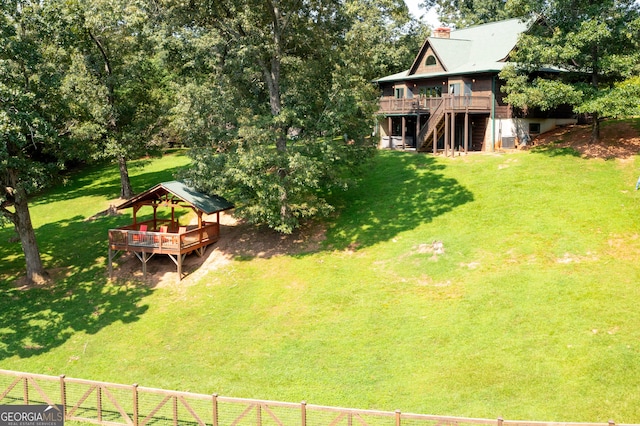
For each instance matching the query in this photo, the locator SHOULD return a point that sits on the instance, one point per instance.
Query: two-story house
(450, 99)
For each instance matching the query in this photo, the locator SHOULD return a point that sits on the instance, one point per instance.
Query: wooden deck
(146, 244)
(390, 105)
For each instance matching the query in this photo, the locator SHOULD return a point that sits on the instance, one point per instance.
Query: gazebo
(167, 236)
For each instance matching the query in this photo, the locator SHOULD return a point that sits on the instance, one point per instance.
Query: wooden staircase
(434, 124)
(434, 128)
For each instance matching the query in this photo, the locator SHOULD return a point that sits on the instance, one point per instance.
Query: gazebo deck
(166, 236)
(129, 238)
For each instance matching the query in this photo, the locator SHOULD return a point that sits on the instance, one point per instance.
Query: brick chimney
(442, 32)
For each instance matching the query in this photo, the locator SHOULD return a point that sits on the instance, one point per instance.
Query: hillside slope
(618, 139)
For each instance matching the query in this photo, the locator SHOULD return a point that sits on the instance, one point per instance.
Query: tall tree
(595, 44)
(465, 13)
(116, 79)
(287, 110)
(31, 148)
(382, 39)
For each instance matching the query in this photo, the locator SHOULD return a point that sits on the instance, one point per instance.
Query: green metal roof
(477, 49)
(206, 203)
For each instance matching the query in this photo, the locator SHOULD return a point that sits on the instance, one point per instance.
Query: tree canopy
(584, 54)
(290, 101)
(115, 80)
(32, 117)
(273, 97)
(465, 13)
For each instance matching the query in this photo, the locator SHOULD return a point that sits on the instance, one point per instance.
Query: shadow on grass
(402, 191)
(37, 320)
(34, 320)
(398, 193)
(104, 180)
(553, 150)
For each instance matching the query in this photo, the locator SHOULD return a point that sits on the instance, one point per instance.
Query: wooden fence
(101, 403)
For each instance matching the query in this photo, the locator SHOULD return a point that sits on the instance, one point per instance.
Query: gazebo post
(144, 264)
(110, 263)
(155, 217)
(135, 215)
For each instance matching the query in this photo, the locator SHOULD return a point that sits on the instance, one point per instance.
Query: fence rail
(116, 404)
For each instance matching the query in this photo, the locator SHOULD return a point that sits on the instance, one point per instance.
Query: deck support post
(466, 132)
(404, 128)
(446, 134)
(453, 134)
(435, 140)
(144, 258)
(178, 260)
(110, 263)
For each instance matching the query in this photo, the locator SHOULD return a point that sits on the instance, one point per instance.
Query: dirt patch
(617, 140)
(237, 240)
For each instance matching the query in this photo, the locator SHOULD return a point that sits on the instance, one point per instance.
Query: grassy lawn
(531, 312)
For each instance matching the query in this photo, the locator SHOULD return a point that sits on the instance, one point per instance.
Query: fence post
(134, 389)
(25, 388)
(175, 411)
(500, 421)
(303, 413)
(214, 400)
(99, 401)
(259, 414)
(398, 420)
(63, 395)
(612, 423)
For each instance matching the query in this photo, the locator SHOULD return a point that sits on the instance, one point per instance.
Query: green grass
(530, 313)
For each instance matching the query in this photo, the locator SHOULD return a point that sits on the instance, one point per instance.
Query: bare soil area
(237, 239)
(617, 140)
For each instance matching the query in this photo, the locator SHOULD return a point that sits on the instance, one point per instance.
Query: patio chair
(137, 237)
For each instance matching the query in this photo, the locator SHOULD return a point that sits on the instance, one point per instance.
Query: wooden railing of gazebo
(177, 243)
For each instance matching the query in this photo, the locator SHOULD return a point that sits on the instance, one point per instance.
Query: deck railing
(390, 105)
(126, 238)
(101, 403)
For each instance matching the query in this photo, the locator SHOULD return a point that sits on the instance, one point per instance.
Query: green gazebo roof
(208, 204)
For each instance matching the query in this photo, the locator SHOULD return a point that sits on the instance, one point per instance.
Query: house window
(431, 60)
(399, 92)
(534, 128)
(431, 92)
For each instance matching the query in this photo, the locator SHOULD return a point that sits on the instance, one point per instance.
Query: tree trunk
(271, 71)
(126, 191)
(272, 78)
(22, 221)
(595, 129)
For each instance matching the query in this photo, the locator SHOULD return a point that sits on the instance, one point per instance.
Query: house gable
(427, 61)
